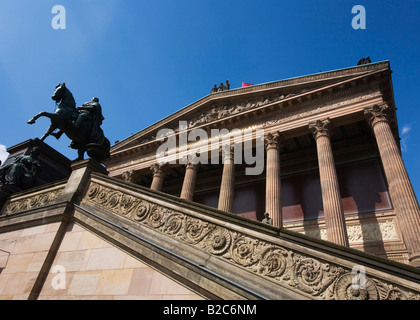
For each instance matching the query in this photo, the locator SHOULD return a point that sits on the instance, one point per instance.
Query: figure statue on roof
(364, 61)
(221, 87)
(214, 89)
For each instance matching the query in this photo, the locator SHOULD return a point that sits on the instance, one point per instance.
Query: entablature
(342, 101)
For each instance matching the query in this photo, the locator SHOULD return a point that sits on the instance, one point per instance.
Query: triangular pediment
(221, 105)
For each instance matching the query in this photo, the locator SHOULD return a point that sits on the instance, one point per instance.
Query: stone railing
(32, 199)
(312, 268)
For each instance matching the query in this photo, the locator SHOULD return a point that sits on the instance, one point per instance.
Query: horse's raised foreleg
(41, 114)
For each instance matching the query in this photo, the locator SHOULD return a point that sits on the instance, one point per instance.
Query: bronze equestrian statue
(81, 125)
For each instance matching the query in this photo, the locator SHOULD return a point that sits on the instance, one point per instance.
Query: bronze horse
(81, 125)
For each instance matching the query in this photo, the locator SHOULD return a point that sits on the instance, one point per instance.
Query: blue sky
(148, 59)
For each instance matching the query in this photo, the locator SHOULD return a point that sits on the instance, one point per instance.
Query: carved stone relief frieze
(222, 111)
(378, 231)
(306, 274)
(382, 230)
(32, 201)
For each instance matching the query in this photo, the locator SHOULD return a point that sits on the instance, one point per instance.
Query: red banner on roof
(244, 84)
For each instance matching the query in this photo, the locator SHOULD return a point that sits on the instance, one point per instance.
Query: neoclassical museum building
(293, 189)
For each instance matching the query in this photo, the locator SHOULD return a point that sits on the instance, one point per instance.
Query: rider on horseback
(81, 125)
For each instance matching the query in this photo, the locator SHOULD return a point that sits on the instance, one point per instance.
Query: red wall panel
(362, 188)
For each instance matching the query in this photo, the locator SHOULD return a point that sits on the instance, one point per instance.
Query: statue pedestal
(97, 152)
(79, 179)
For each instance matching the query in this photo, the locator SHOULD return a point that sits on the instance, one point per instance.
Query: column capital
(321, 128)
(190, 161)
(192, 164)
(227, 151)
(158, 169)
(188, 186)
(130, 176)
(376, 114)
(273, 140)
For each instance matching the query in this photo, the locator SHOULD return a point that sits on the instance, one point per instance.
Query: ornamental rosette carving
(300, 272)
(218, 241)
(141, 211)
(346, 288)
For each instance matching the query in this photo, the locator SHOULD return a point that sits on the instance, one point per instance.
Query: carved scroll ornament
(32, 201)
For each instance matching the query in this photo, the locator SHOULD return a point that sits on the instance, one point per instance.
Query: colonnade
(405, 203)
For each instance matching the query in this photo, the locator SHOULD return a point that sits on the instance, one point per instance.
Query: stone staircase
(214, 253)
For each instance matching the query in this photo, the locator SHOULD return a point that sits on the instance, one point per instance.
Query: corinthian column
(190, 177)
(331, 199)
(273, 184)
(227, 186)
(405, 202)
(158, 176)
